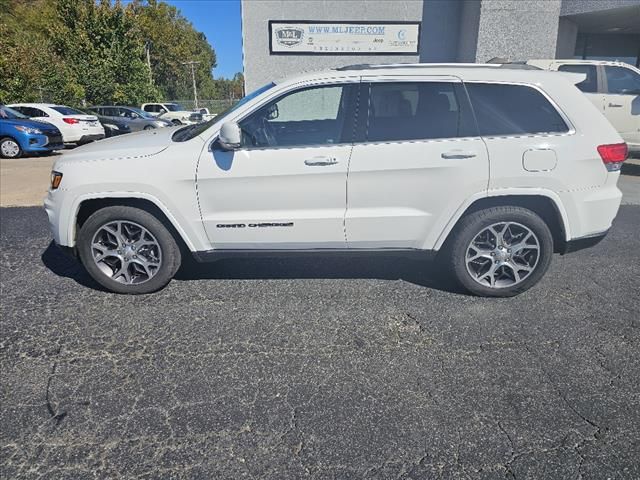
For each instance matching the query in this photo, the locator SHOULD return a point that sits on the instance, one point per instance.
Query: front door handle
(320, 161)
(614, 105)
(457, 154)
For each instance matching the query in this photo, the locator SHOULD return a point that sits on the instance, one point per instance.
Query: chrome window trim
(291, 89)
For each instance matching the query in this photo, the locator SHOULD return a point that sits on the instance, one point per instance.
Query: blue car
(19, 135)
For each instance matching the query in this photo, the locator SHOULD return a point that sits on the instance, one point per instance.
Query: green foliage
(94, 51)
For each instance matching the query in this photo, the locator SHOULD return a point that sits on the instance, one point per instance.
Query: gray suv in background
(135, 118)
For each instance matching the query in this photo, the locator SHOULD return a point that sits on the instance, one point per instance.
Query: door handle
(614, 105)
(320, 161)
(457, 154)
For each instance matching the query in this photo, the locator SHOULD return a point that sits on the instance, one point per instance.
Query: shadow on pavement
(425, 273)
(66, 266)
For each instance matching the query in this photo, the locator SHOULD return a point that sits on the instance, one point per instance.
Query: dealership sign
(344, 38)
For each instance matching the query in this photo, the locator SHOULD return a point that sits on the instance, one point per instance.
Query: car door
(285, 187)
(415, 162)
(622, 101)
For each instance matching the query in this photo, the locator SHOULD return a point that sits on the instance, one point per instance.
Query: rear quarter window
(503, 109)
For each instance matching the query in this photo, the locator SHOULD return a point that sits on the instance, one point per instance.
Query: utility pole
(193, 64)
(147, 49)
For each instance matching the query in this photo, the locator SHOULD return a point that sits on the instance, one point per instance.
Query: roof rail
(369, 66)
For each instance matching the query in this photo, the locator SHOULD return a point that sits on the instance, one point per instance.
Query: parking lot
(282, 369)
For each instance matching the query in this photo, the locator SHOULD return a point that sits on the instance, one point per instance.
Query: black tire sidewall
(472, 224)
(9, 139)
(170, 251)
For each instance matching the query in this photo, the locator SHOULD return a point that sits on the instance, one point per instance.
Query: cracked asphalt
(329, 369)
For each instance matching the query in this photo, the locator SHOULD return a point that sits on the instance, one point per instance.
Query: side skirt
(214, 255)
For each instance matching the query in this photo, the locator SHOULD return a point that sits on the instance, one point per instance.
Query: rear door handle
(614, 105)
(320, 161)
(457, 154)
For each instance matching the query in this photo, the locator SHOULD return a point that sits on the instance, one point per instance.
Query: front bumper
(41, 142)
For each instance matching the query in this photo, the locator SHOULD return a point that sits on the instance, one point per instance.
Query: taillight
(613, 155)
(70, 121)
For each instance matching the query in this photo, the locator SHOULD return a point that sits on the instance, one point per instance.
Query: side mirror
(230, 137)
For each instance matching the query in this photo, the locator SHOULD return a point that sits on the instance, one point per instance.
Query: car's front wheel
(9, 148)
(501, 251)
(128, 250)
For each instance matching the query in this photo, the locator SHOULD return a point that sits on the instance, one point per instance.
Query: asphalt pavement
(333, 369)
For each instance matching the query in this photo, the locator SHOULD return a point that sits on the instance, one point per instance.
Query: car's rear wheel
(9, 148)
(176, 122)
(128, 250)
(149, 127)
(501, 251)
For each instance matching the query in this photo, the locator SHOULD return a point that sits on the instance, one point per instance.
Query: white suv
(495, 168)
(613, 87)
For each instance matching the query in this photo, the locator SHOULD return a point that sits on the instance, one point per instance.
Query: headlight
(56, 178)
(29, 130)
(111, 126)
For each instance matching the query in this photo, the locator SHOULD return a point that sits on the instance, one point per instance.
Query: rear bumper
(90, 138)
(581, 243)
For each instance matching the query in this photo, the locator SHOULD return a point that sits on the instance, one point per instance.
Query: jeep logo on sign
(289, 36)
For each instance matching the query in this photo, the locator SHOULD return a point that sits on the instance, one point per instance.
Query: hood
(132, 145)
(25, 122)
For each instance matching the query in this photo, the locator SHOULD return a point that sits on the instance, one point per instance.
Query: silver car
(136, 119)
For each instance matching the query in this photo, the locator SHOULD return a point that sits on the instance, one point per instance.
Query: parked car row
(44, 127)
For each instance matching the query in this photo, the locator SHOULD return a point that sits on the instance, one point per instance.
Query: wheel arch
(548, 208)
(87, 206)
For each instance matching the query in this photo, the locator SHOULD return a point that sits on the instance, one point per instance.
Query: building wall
(567, 35)
(261, 68)
(574, 7)
(517, 29)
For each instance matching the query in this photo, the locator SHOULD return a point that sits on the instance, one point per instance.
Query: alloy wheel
(126, 252)
(502, 255)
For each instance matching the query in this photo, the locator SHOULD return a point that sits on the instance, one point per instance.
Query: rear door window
(589, 84)
(405, 111)
(504, 109)
(621, 80)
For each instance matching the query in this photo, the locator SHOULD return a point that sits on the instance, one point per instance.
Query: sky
(220, 21)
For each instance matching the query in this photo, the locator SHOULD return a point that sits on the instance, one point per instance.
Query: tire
(10, 148)
(176, 122)
(484, 268)
(149, 127)
(145, 263)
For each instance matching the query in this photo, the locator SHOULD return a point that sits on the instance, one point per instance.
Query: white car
(494, 168)
(76, 126)
(172, 112)
(613, 87)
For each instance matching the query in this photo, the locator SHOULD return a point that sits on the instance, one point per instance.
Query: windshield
(140, 112)
(67, 110)
(187, 133)
(173, 107)
(6, 112)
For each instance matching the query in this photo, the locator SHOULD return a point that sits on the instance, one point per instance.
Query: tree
(173, 40)
(93, 51)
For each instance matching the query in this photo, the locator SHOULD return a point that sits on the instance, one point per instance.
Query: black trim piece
(346, 22)
(219, 254)
(68, 251)
(581, 243)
